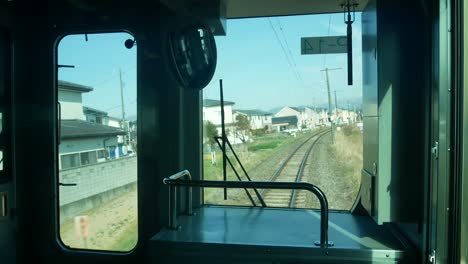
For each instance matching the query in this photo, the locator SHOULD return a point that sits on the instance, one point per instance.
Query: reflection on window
(279, 113)
(97, 151)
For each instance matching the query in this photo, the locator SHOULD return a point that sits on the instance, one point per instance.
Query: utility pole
(336, 106)
(123, 106)
(122, 98)
(326, 70)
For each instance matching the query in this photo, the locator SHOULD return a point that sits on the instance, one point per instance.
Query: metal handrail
(174, 182)
(173, 196)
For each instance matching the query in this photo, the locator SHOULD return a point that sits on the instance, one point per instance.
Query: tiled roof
(87, 109)
(254, 112)
(83, 129)
(211, 103)
(74, 86)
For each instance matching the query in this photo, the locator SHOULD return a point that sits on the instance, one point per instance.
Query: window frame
(58, 38)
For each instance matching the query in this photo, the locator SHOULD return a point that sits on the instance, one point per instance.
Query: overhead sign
(324, 45)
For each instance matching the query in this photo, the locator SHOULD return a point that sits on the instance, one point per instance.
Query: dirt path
(112, 226)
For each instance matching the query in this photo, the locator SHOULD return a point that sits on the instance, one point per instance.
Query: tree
(210, 133)
(242, 125)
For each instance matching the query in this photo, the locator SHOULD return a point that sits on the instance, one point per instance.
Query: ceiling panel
(259, 8)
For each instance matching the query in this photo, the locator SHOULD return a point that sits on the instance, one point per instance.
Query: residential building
(85, 138)
(285, 123)
(258, 118)
(212, 113)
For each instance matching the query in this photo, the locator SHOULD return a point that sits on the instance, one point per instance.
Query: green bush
(269, 145)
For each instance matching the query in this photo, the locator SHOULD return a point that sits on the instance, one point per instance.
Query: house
(287, 118)
(94, 115)
(212, 112)
(85, 137)
(86, 143)
(283, 123)
(258, 118)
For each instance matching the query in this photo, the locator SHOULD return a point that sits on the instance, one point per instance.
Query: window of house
(97, 199)
(101, 154)
(272, 75)
(70, 161)
(88, 158)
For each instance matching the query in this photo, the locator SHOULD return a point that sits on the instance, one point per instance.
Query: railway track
(292, 170)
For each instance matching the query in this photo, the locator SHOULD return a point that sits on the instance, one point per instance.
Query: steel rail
(175, 182)
(275, 174)
(282, 165)
(300, 171)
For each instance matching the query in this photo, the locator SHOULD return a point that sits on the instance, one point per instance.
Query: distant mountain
(275, 110)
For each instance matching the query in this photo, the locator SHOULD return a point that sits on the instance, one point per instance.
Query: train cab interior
(124, 134)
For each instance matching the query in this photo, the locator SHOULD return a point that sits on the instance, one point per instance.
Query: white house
(85, 140)
(212, 113)
(258, 118)
(288, 118)
(70, 99)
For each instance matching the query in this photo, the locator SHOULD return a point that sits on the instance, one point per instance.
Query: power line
(282, 48)
(113, 76)
(289, 49)
(118, 106)
(328, 34)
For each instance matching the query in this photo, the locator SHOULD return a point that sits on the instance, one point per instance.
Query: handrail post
(173, 207)
(173, 197)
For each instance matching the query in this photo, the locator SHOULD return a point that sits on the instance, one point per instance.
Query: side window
(97, 96)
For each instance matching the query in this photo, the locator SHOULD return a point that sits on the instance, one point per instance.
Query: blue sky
(254, 69)
(97, 63)
(257, 75)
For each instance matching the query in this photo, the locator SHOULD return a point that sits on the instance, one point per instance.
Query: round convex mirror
(194, 53)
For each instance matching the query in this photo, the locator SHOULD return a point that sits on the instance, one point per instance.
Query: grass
(112, 225)
(348, 150)
(269, 145)
(128, 239)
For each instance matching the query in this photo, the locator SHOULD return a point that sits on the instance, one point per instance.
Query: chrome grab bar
(174, 181)
(173, 197)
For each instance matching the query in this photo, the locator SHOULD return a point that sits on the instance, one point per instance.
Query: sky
(257, 75)
(256, 72)
(97, 64)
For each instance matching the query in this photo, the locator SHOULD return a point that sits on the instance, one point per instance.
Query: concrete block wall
(95, 179)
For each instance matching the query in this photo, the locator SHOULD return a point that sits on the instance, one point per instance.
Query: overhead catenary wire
(290, 53)
(113, 76)
(328, 34)
(284, 50)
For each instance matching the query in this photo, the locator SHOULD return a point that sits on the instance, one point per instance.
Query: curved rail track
(292, 170)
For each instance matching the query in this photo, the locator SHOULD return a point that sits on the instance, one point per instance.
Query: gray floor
(279, 231)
